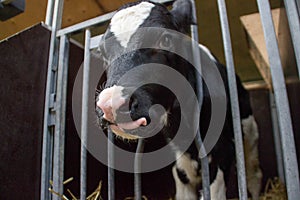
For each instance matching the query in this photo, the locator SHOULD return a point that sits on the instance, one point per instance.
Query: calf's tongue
(134, 124)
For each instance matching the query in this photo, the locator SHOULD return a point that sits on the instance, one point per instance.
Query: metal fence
(56, 90)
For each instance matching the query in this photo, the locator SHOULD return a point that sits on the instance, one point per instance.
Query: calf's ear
(183, 14)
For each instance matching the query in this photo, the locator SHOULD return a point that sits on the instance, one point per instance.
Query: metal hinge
(51, 121)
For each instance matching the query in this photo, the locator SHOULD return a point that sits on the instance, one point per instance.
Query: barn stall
(61, 153)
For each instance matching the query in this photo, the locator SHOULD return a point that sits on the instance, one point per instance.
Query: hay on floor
(274, 190)
(94, 196)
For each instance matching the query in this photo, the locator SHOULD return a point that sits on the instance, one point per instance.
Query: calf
(129, 110)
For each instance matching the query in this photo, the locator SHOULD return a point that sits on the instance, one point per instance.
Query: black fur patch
(182, 176)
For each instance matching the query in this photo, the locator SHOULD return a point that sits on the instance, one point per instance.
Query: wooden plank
(257, 47)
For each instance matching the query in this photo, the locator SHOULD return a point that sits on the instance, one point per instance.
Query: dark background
(23, 69)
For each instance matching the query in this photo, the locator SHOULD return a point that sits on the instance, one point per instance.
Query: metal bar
(294, 23)
(234, 101)
(138, 170)
(298, 6)
(94, 21)
(46, 162)
(196, 55)
(57, 16)
(276, 136)
(84, 114)
(204, 168)
(283, 110)
(204, 160)
(46, 173)
(60, 108)
(162, 1)
(95, 41)
(49, 13)
(110, 167)
(48, 131)
(86, 24)
(6, 1)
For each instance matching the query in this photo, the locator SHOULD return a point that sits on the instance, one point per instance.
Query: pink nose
(109, 101)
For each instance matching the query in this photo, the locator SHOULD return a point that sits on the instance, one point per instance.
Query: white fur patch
(125, 22)
(184, 191)
(250, 128)
(218, 188)
(164, 118)
(253, 171)
(189, 166)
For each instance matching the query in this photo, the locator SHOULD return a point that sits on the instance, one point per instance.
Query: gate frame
(56, 90)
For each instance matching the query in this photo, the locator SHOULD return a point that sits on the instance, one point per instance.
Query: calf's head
(131, 102)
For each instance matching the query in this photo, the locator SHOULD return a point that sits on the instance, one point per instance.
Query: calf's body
(131, 112)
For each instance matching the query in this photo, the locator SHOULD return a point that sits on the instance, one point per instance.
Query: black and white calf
(127, 114)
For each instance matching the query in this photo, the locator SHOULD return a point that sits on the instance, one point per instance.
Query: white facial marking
(218, 188)
(125, 22)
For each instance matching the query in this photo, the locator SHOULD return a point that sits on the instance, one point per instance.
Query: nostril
(133, 104)
(128, 107)
(128, 111)
(148, 120)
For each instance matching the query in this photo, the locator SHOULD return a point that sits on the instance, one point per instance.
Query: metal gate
(55, 101)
